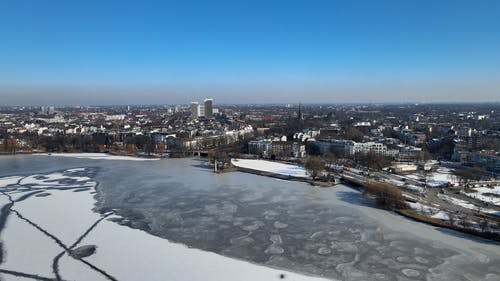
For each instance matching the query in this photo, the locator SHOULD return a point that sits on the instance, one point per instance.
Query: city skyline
(126, 52)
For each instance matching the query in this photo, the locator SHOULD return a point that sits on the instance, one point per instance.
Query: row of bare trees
(465, 176)
(10, 145)
(83, 143)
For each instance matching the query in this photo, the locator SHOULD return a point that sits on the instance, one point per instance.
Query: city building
(208, 108)
(259, 147)
(195, 110)
(47, 110)
(350, 148)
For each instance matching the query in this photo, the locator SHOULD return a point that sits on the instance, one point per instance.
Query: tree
(161, 148)
(101, 148)
(115, 147)
(312, 148)
(354, 134)
(221, 159)
(131, 149)
(314, 166)
(373, 160)
(11, 145)
(330, 158)
(149, 145)
(386, 195)
(426, 177)
(466, 175)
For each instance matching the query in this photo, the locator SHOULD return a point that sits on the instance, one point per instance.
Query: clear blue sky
(248, 51)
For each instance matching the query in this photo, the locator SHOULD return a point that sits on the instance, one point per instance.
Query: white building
(208, 107)
(366, 147)
(206, 110)
(350, 148)
(195, 110)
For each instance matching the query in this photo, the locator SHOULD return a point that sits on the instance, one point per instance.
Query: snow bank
(442, 215)
(421, 207)
(98, 156)
(271, 167)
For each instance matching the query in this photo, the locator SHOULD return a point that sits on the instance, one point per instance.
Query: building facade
(209, 112)
(195, 110)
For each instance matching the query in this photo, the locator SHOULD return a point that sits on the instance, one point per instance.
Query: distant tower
(195, 110)
(209, 112)
(47, 109)
(300, 117)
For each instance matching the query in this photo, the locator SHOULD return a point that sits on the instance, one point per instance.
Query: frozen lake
(287, 226)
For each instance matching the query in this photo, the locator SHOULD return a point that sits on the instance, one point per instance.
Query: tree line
(82, 143)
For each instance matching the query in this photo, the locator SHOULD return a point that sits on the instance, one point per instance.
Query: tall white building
(47, 109)
(209, 113)
(195, 110)
(205, 110)
(202, 111)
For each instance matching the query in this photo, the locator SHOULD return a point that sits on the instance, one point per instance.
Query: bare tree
(386, 195)
(315, 165)
(131, 149)
(466, 175)
(161, 148)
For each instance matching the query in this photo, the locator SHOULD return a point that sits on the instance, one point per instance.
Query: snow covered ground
(466, 204)
(271, 167)
(481, 194)
(442, 215)
(456, 201)
(426, 209)
(62, 217)
(442, 176)
(97, 156)
(439, 177)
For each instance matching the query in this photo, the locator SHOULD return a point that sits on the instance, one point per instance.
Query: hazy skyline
(148, 52)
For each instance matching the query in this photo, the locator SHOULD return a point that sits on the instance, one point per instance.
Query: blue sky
(95, 52)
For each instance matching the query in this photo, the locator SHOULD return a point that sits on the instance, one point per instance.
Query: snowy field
(97, 156)
(271, 167)
(467, 205)
(52, 215)
(482, 194)
(440, 177)
(429, 211)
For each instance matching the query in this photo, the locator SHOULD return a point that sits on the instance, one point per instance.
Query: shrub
(386, 195)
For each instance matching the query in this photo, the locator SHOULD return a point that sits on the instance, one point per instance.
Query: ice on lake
(234, 226)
